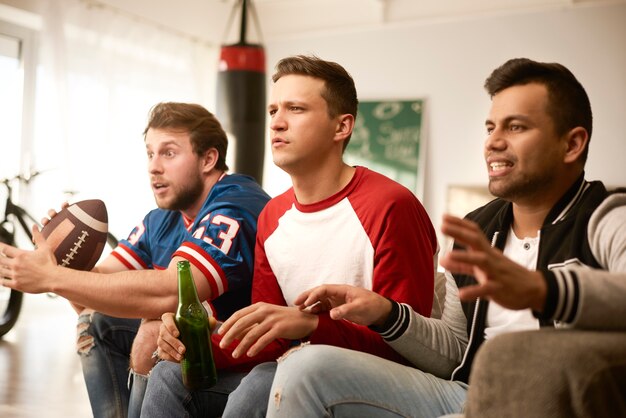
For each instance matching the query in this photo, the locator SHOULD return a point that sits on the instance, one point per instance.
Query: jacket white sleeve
(593, 299)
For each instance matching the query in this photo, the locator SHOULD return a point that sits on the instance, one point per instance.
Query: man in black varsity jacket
(549, 252)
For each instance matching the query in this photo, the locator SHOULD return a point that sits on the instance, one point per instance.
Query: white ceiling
(207, 20)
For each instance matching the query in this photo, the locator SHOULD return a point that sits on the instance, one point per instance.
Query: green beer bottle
(197, 366)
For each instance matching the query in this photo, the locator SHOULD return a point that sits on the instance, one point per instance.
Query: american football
(78, 233)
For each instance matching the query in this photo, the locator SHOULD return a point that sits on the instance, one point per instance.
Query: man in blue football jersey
(204, 216)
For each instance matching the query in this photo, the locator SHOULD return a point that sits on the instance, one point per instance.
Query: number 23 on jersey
(228, 227)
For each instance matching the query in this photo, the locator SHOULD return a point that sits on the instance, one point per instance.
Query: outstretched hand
(499, 278)
(26, 270)
(355, 304)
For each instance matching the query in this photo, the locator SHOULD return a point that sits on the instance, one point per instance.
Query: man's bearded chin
(186, 197)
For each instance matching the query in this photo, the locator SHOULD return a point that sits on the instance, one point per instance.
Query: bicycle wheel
(10, 300)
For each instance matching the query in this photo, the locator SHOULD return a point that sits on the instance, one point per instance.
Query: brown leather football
(78, 233)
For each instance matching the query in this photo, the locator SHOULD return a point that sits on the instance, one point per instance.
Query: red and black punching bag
(241, 100)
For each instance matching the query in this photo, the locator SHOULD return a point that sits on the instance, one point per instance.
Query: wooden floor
(40, 373)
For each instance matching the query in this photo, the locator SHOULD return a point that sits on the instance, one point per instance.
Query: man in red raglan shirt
(338, 224)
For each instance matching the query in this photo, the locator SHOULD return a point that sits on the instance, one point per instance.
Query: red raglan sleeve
(405, 247)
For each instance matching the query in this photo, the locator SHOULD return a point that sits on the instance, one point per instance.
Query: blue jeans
(324, 381)
(250, 398)
(138, 384)
(104, 345)
(167, 397)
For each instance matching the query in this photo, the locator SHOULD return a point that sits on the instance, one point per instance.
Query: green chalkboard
(387, 138)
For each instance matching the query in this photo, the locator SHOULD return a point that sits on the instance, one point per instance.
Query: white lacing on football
(77, 245)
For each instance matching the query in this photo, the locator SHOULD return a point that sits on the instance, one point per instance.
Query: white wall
(447, 63)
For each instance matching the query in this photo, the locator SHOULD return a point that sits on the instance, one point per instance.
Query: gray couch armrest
(550, 373)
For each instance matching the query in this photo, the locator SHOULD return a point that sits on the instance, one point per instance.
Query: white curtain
(100, 71)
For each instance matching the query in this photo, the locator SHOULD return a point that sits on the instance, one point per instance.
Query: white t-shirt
(501, 320)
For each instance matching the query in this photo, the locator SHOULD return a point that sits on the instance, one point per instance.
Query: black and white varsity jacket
(571, 248)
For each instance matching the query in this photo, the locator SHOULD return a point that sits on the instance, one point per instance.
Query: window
(16, 85)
